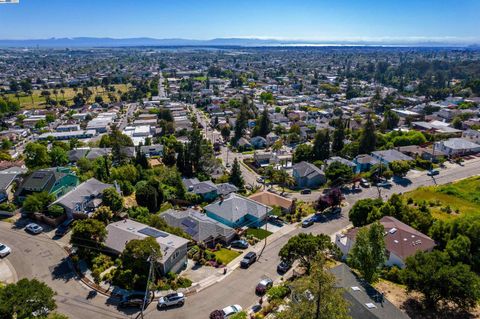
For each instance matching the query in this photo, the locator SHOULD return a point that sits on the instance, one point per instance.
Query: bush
(8, 207)
(55, 211)
(278, 292)
(393, 274)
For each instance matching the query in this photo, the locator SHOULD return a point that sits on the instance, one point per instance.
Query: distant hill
(242, 42)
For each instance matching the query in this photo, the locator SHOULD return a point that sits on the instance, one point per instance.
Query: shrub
(278, 292)
(8, 207)
(392, 274)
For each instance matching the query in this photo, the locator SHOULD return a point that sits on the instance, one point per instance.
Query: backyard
(451, 200)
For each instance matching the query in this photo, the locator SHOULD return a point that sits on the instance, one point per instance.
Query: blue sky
(206, 19)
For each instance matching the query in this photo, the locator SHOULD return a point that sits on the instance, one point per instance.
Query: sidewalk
(7, 272)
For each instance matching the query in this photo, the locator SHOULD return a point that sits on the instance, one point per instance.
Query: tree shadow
(402, 181)
(415, 309)
(63, 271)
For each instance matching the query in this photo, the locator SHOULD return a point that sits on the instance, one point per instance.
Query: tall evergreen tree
(241, 123)
(236, 177)
(368, 138)
(338, 137)
(321, 145)
(264, 125)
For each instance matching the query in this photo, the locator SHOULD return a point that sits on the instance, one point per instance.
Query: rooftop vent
(370, 305)
(393, 230)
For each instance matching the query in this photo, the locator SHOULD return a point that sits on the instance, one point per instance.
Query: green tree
(368, 252)
(112, 199)
(321, 145)
(36, 156)
(339, 173)
(459, 249)
(304, 248)
(103, 214)
(390, 120)
(225, 131)
(58, 156)
(360, 211)
(399, 168)
(437, 279)
(241, 123)
(282, 178)
(338, 137)
(26, 297)
(264, 124)
(38, 202)
(368, 138)
(316, 296)
(88, 235)
(303, 152)
(148, 196)
(236, 177)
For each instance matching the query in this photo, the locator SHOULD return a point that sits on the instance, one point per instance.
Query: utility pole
(151, 259)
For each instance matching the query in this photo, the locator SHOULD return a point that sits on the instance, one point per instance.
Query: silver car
(231, 310)
(175, 299)
(4, 250)
(34, 228)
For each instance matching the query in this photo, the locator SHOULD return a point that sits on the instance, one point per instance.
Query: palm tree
(284, 179)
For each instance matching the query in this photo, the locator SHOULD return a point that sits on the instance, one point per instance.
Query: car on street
(64, 228)
(307, 222)
(306, 191)
(260, 180)
(4, 250)
(173, 299)
(283, 267)
(385, 184)
(364, 183)
(433, 172)
(231, 310)
(134, 300)
(263, 286)
(248, 259)
(34, 228)
(241, 243)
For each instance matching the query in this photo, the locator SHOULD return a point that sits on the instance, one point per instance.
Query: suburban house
(364, 162)
(207, 189)
(174, 248)
(152, 150)
(401, 241)
(342, 160)
(271, 138)
(389, 156)
(84, 199)
(8, 178)
(199, 226)
(258, 142)
(457, 146)
(88, 153)
(273, 200)
(364, 301)
(55, 180)
(472, 136)
(237, 211)
(307, 175)
(243, 144)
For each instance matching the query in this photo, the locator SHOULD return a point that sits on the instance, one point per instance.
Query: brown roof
(400, 239)
(271, 199)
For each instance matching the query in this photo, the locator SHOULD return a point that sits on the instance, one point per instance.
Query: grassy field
(69, 93)
(259, 233)
(226, 255)
(462, 197)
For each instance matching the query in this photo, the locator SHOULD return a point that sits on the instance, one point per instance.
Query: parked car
(307, 222)
(260, 180)
(275, 220)
(306, 191)
(64, 228)
(263, 286)
(385, 184)
(133, 300)
(231, 310)
(4, 250)
(34, 228)
(333, 210)
(248, 259)
(174, 299)
(242, 244)
(364, 183)
(433, 172)
(283, 267)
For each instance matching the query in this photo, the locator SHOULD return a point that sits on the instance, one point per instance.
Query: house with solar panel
(199, 226)
(174, 248)
(237, 211)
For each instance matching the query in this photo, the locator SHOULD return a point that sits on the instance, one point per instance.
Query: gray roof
(234, 206)
(358, 299)
(6, 179)
(199, 226)
(158, 148)
(305, 169)
(391, 156)
(84, 192)
(342, 160)
(121, 232)
(87, 152)
(195, 186)
(460, 144)
(98, 152)
(226, 188)
(43, 180)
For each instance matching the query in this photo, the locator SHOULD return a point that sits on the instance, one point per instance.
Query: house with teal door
(237, 211)
(55, 180)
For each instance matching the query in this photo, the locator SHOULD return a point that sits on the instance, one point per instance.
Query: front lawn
(226, 255)
(258, 233)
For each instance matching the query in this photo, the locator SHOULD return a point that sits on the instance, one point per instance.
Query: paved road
(42, 258)
(131, 108)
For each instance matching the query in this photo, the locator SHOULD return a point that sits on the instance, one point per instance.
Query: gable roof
(271, 199)
(392, 155)
(305, 169)
(365, 293)
(235, 206)
(86, 191)
(199, 226)
(44, 179)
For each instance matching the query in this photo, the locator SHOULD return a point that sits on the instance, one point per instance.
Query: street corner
(7, 272)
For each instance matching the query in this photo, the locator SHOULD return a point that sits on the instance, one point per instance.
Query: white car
(231, 310)
(174, 299)
(4, 250)
(34, 228)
